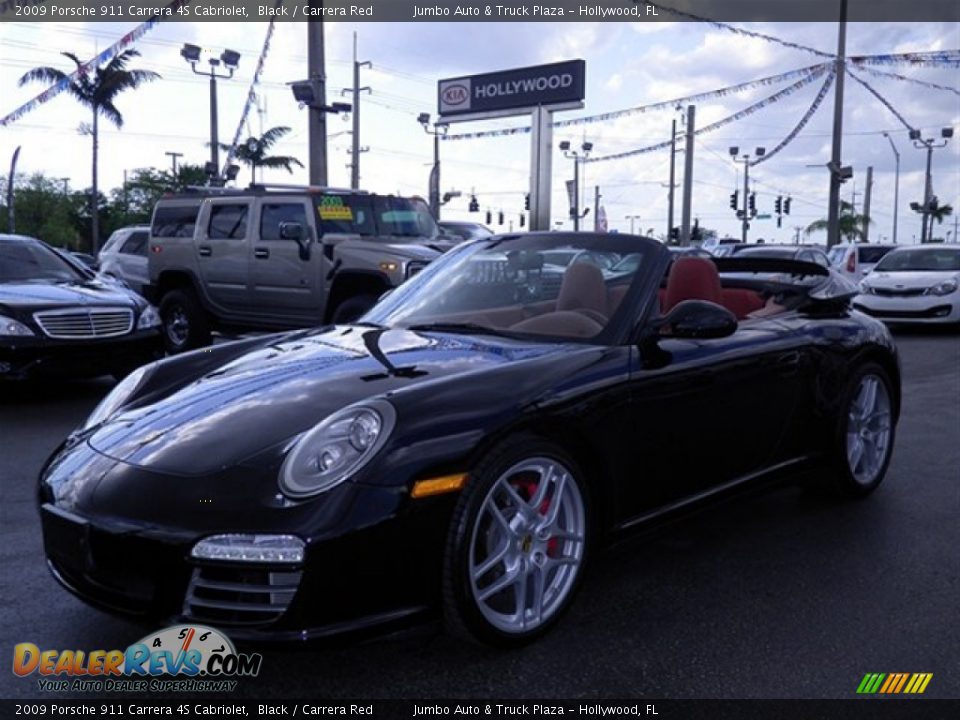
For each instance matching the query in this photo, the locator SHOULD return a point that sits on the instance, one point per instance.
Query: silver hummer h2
(276, 257)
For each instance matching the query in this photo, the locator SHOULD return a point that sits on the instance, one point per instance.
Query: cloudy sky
(627, 65)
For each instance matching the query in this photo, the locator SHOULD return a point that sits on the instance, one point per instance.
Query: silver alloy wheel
(178, 326)
(527, 545)
(868, 429)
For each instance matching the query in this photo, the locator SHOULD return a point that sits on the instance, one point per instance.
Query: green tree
(96, 89)
(852, 225)
(44, 209)
(253, 153)
(939, 212)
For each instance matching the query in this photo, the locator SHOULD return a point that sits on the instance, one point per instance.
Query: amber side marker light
(438, 486)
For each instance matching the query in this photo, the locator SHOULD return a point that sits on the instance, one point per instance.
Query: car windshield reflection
(551, 285)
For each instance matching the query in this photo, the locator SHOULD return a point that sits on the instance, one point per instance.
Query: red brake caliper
(527, 489)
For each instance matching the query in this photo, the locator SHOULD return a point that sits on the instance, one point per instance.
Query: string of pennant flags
(745, 112)
(811, 111)
(653, 107)
(923, 83)
(90, 66)
(936, 58)
(881, 98)
(251, 95)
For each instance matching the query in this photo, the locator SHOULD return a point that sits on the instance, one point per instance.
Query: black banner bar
(618, 11)
(119, 707)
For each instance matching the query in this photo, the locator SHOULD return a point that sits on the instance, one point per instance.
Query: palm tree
(254, 152)
(851, 224)
(96, 88)
(938, 212)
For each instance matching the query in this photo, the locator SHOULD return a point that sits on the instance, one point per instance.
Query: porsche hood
(268, 396)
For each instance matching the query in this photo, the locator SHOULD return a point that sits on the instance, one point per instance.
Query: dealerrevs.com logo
(181, 658)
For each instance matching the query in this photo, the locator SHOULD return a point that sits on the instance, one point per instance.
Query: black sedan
(57, 318)
(468, 444)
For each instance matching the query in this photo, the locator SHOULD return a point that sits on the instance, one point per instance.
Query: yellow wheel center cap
(527, 543)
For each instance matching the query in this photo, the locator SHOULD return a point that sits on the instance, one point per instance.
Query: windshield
(373, 215)
(926, 259)
(30, 260)
(513, 286)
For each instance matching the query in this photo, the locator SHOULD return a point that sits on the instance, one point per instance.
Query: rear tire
(517, 546)
(865, 433)
(185, 322)
(352, 308)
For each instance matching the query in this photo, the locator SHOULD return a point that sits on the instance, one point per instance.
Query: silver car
(124, 256)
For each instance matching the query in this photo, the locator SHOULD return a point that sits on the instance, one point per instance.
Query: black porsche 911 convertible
(469, 443)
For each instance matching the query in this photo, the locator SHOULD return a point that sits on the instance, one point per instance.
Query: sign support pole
(541, 155)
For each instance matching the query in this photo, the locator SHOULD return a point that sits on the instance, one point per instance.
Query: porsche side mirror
(698, 320)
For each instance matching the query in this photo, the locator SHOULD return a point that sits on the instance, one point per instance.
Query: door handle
(788, 362)
(204, 251)
(261, 253)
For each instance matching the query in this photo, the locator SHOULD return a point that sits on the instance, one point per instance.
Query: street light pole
(673, 177)
(230, 60)
(631, 218)
(929, 144)
(745, 212)
(577, 157)
(438, 131)
(896, 185)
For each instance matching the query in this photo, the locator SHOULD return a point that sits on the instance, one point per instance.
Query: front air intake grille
(239, 595)
(84, 324)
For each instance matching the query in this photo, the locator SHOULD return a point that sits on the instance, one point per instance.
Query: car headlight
(866, 289)
(13, 328)
(944, 288)
(149, 318)
(117, 397)
(336, 448)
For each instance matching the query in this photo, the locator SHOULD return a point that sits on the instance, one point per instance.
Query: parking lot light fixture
(230, 59)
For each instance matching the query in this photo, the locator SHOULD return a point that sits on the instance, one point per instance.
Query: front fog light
(250, 548)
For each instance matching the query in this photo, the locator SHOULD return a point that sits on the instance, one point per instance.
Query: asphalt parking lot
(777, 595)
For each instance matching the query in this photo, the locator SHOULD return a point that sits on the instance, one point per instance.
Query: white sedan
(914, 285)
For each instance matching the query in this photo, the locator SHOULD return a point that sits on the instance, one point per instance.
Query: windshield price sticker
(331, 207)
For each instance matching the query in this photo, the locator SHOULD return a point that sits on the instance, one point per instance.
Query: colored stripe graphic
(894, 683)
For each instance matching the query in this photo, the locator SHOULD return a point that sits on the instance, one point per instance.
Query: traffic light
(786, 206)
(734, 199)
(474, 205)
(752, 202)
(523, 219)
(778, 204)
(675, 234)
(500, 218)
(779, 221)
(526, 201)
(489, 217)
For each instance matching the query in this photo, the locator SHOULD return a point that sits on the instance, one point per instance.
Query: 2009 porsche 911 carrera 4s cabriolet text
(468, 444)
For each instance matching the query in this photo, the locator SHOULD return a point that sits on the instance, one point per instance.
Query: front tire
(352, 308)
(517, 545)
(863, 443)
(185, 323)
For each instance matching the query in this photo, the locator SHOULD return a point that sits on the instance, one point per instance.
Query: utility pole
(317, 122)
(687, 178)
(673, 177)
(836, 177)
(355, 150)
(866, 204)
(596, 208)
(173, 161)
(896, 185)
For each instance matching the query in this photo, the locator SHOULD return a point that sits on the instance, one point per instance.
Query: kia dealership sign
(519, 89)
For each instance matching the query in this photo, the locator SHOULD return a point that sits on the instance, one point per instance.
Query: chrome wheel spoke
(515, 580)
(500, 584)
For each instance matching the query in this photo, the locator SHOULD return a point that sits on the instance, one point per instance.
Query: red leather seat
(692, 278)
(741, 302)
